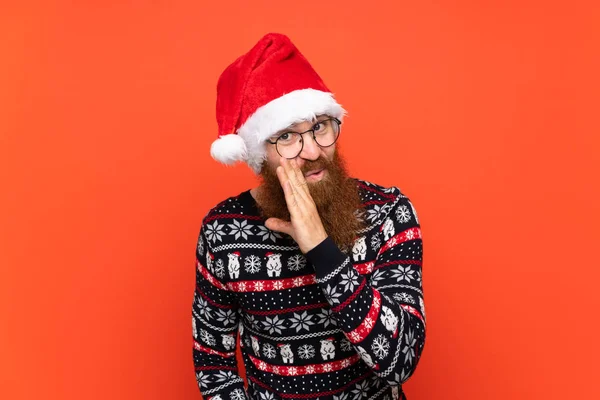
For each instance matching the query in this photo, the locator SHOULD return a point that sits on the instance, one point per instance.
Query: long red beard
(336, 197)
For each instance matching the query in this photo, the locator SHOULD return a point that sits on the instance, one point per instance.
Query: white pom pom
(228, 149)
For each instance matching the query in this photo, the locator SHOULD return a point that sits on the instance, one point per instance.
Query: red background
(484, 112)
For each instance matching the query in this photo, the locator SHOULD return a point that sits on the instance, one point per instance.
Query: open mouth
(315, 175)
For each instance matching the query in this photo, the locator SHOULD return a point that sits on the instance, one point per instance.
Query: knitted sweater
(324, 324)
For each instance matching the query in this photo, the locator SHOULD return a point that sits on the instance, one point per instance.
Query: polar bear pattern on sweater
(255, 345)
(228, 342)
(234, 265)
(273, 264)
(209, 261)
(389, 320)
(327, 349)
(359, 250)
(388, 229)
(286, 353)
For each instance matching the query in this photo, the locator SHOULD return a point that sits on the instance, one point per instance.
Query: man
(319, 273)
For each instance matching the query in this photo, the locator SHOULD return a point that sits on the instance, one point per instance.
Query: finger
(289, 192)
(302, 184)
(292, 172)
(278, 225)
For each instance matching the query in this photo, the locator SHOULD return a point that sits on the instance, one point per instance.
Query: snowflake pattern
(409, 349)
(326, 317)
(203, 308)
(418, 276)
(202, 379)
(252, 321)
(405, 375)
(273, 324)
(306, 351)
(361, 389)
(395, 381)
(376, 277)
(376, 242)
(220, 268)
(403, 273)
(346, 345)
(224, 376)
(296, 262)
(207, 338)
(349, 279)
(404, 298)
(240, 229)
(237, 394)
(377, 382)
(269, 350)
(373, 213)
(252, 264)
(378, 212)
(301, 321)
(200, 245)
(214, 232)
(342, 396)
(267, 234)
(402, 214)
(266, 396)
(380, 346)
(226, 317)
(332, 295)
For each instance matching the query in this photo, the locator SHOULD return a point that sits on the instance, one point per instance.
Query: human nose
(311, 150)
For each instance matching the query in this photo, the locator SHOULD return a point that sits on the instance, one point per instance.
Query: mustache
(311, 165)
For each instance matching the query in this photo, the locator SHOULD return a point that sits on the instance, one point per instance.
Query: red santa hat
(237, 253)
(266, 90)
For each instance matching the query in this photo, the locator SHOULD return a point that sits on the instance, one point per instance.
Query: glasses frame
(313, 135)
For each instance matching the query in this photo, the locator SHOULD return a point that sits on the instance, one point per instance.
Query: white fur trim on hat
(228, 149)
(297, 106)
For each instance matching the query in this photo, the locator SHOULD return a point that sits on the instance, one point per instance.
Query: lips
(313, 172)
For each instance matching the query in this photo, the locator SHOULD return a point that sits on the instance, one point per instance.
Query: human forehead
(304, 125)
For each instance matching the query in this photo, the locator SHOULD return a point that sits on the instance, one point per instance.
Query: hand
(305, 226)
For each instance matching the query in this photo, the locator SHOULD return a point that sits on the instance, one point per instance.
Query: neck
(254, 193)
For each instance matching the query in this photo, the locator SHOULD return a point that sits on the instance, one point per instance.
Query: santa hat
(268, 254)
(262, 92)
(237, 253)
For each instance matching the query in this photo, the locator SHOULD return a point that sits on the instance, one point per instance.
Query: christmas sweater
(321, 325)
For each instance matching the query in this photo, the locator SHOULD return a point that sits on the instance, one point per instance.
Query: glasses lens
(327, 133)
(289, 145)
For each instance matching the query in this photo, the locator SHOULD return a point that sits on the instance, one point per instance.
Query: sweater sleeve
(379, 305)
(214, 329)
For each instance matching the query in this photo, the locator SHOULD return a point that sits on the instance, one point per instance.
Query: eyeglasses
(325, 133)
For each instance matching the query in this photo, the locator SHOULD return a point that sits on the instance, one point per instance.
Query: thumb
(279, 225)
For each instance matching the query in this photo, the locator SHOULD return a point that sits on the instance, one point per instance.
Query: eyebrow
(318, 118)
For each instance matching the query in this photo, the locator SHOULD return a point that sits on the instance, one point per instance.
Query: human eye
(285, 137)
(319, 127)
